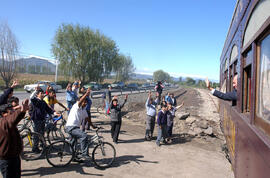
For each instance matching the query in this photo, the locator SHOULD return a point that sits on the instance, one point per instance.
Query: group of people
(42, 104)
(165, 117)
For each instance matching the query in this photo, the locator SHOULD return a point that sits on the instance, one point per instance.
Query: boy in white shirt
(76, 116)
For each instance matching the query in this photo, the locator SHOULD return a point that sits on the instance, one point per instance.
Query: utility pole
(56, 69)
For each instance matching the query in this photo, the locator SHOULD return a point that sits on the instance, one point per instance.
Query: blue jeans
(11, 168)
(106, 106)
(162, 133)
(77, 133)
(169, 130)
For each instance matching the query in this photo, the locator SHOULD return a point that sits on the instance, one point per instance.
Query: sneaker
(84, 157)
(147, 139)
(158, 144)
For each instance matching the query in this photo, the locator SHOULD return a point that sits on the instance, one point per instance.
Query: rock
(203, 124)
(208, 131)
(198, 131)
(182, 116)
(190, 120)
(192, 133)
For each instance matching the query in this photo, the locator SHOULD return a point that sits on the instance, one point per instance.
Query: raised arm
(63, 106)
(7, 92)
(84, 96)
(122, 105)
(230, 96)
(19, 114)
(177, 107)
(157, 99)
(148, 99)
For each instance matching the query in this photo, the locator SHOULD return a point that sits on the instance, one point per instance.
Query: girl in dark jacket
(116, 117)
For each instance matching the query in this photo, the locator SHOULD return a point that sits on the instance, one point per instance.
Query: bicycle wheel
(103, 155)
(29, 152)
(99, 110)
(60, 154)
(55, 134)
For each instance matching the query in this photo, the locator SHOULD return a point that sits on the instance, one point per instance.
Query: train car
(246, 53)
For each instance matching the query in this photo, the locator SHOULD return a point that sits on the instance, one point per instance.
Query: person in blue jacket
(162, 124)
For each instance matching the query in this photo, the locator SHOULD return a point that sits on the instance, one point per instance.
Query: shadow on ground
(127, 159)
(47, 171)
(181, 139)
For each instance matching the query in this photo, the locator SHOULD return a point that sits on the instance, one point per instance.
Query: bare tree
(9, 52)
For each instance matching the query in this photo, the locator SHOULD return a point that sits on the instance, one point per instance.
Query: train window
(257, 19)
(225, 79)
(263, 93)
(247, 66)
(231, 78)
(234, 54)
(247, 89)
(233, 72)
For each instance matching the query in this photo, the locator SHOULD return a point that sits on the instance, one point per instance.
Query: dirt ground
(186, 157)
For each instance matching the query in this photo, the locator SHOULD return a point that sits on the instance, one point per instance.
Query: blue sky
(178, 36)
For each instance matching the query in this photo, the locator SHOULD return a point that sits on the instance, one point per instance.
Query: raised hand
(15, 83)
(88, 91)
(207, 83)
(25, 105)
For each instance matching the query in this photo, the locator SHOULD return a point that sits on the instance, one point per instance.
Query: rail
(98, 94)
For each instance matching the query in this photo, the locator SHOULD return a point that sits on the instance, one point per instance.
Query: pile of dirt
(198, 118)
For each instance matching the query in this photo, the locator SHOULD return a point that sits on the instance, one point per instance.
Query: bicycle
(28, 139)
(56, 119)
(103, 154)
(52, 132)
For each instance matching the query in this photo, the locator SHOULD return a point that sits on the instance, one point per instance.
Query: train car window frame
(246, 82)
(225, 75)
(258, 18)
(260, 121)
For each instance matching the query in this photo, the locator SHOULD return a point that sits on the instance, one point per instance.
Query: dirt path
(185, 158)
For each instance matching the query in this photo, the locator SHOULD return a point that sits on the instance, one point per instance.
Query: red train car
(246, 52)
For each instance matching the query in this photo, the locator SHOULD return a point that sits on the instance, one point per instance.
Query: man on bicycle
(77, 114)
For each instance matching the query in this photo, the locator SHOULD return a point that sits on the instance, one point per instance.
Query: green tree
(123, 67)
(160, 75)
(180, 79)
(190, 81)
(84, 53)
(201, 84)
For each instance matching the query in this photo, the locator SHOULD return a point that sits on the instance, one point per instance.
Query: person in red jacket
(11, 143)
